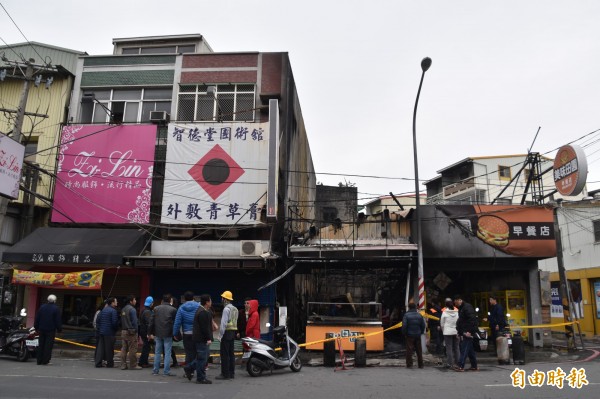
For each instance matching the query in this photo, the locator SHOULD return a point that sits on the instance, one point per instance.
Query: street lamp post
(425, 64)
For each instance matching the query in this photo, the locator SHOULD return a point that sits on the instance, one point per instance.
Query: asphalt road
(78, 378)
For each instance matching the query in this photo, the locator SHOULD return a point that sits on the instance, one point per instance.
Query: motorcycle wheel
(253, 369)
(296, 364)
(23, 353)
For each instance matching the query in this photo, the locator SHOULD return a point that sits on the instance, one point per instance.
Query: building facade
(197, 159)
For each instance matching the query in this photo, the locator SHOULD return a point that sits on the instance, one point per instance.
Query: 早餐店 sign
(87, 280)
(570, 170)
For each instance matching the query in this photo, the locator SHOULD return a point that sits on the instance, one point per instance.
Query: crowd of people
(456, 326)
(160, 325)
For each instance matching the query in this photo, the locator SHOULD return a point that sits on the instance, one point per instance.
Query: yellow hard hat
(227, 295)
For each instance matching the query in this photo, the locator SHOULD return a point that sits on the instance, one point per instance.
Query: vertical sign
(556, 309)
(597, 296)
(273, 159)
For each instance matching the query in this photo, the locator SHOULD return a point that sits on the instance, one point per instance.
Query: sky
(500, 71)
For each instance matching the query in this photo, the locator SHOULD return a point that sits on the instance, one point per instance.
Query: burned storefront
(352, 278)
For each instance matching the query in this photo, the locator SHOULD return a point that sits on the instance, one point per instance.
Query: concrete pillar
(535, 307)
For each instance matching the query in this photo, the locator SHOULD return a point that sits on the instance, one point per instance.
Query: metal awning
(71, 246)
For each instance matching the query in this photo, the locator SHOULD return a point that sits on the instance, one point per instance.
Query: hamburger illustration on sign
(493, 230)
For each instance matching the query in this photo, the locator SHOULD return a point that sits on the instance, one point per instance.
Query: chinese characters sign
(557, 378)
(87, 280)
(570, 170)
(11, 163)
(105, 174)
(526, 231)
(216, 173)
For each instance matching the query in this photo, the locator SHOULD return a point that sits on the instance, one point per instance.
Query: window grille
(228, 102)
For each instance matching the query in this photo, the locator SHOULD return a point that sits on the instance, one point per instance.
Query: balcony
(458, 187)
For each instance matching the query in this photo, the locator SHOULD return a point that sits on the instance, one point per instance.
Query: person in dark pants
(227, 333)
(202, 337)
(413, 326)
(466, 326)
(144, 322)
(108, 324)
(47, 323)
(184, 325)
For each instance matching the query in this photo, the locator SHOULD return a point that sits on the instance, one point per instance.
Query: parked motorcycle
(270, 355)
(15, 339)
(480, 342)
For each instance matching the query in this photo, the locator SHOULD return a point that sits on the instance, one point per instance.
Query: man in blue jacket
(413, 326)
(107, 325)
(184, 322)
(47, 322)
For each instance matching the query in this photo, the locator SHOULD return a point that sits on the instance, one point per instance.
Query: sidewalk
(555, 351)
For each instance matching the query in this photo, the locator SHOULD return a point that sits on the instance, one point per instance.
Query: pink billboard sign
(104, 174)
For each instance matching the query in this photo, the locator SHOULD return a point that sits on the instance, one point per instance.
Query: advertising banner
(87, 280)
(597, 296)
(526, 231)
(216, 173)
(11, 165)
(556, 309)
(104, 174)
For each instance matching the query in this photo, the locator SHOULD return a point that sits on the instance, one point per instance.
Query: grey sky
(500, 69)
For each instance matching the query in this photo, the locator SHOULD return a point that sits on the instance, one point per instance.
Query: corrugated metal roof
(51, 54)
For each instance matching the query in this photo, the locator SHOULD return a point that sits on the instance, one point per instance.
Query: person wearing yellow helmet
(227, 332)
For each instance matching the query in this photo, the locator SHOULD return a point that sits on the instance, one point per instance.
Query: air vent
(180, 233)
(250, 248)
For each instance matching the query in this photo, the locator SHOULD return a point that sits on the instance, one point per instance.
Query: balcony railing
(457, 187)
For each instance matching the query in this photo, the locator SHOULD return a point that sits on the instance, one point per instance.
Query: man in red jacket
(253, 324)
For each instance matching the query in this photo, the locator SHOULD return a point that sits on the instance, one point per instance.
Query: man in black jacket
(202, 336)
(496, 319)
(466, 326)
(47, 322)
(413, 326)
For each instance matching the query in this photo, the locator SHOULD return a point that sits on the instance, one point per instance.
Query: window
(596, 224)
(126, 105)
(30, 150)
(504, 172)
(228, 102)
(186, 48)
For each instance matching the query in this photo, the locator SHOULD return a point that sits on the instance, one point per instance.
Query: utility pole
(28, 69)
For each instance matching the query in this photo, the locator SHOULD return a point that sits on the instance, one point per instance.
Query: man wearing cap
(227, 332)
(144, 322)
(47, 322)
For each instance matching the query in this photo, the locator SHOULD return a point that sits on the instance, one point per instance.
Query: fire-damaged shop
(359, 275)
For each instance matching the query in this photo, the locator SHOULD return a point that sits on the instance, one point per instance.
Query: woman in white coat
(448, 327)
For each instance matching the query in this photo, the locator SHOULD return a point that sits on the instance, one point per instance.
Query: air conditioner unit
(159, 117)
(250, 248)
(180, 233)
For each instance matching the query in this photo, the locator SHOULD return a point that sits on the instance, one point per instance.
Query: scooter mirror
(23, 312)
(268, 325)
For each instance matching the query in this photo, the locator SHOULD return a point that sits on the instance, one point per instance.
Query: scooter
(15, 339)
(270, 355)
(480, 342)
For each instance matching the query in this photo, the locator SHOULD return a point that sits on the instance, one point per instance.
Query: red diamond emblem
(216, 171)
